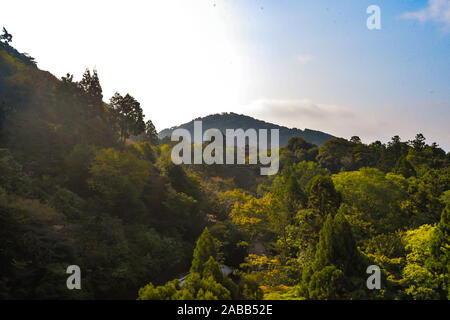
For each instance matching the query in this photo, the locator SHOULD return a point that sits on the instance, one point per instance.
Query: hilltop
(230, 120)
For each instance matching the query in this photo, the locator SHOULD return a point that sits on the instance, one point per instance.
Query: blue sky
(297, 63)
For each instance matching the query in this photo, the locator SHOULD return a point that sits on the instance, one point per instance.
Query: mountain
(232, 120)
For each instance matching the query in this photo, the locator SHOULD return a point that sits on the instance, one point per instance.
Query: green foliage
(418, 279)
(376, 196)
(338, 269)
(127, 112)
(249, 288)
(336, 155)
(119, 177)
(233, 243)
(71, 192)
(323, 197)
(87, 183)
(404, 168)
(77, 165)
(439, 260)
(166, 292)
(204, 249)
(205, 281)
(150, 134)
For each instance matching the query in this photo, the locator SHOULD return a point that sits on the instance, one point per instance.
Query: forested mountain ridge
(74, 190)
(232, 120)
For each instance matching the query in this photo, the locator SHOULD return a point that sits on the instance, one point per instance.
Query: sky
(299, 63)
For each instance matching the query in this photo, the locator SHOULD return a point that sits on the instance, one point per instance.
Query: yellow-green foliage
(419, 281)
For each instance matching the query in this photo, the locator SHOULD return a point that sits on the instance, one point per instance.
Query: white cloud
(304, 59)
(437, 11)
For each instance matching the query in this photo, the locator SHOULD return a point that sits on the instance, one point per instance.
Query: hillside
(75, 192)
(235, 121)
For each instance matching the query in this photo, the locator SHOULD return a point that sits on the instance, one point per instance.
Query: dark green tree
(150, 134)
(93, 90)
(323, 197)
(336, 155)
(6, 37)
(404, 167)
(419, 142)
(128, 115)
(338, 269)
(355, 139)
(295, 196)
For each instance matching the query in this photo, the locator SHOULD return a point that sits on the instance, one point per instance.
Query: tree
(77, 165)
(204, 249)
(6, 37)
(404, 167)
(119, 177)
(295, 196)
(336, 155)
(298, 143)
(90, 84)
(166, 292)
(355, 139)
(338, 269)
(389, 156)
(419, 281)
(205, 281)
(419, 142)
(127, 113)
(323, 200)
(439, 260)
(323, 197)
(249, 288)
(150, 133)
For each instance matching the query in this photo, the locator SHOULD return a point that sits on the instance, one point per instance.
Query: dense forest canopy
(89, 183)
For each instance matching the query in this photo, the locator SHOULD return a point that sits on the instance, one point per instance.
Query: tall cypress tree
(90, 84)
(338, 269)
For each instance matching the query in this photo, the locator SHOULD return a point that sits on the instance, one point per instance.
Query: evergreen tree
(150, 134)
(90, 84)
(338, 269)
(323, 197)
(128, 115)
(204, 249)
